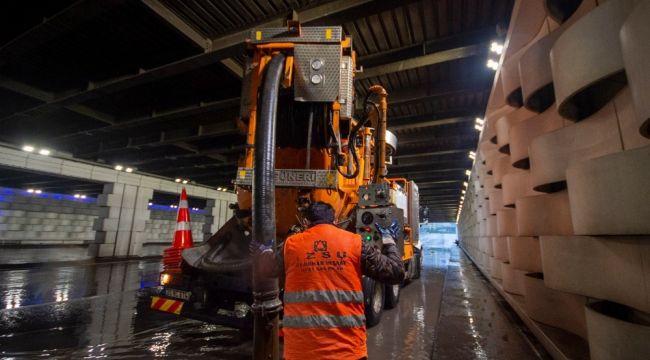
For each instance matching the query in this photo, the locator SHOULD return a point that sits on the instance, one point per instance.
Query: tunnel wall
(557, 210)
(119, 228)
(29, 222)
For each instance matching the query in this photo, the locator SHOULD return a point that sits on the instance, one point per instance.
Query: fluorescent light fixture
(492, 64)
(496, 48)
(150, 203)
(129, 170)
(177, 180)
(465, 184)
(224, 189)
(83, 196)
(463, 191)
(119, 167)
(31, 191)
(472, 155)
(219, 188)
(468, 172)
(478, 127)
(44, 152)
(38, 191)
(28, 148)
(77, 196)
(185, 181)
(479, 121)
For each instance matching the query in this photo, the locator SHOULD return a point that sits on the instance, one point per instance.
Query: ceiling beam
(184, 28)
(70, 18)
(220, 48)
(45, 97)
(437, 118)
(424, 60)
(439, 89)
(415, 154)
(428, 47)
(165, 137)
(156, 117)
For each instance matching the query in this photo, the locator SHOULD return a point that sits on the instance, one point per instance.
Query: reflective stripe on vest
(324, 321)
(323, 296)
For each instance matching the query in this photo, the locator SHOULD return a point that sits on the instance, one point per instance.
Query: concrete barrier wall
(45, 219)
(575, 203)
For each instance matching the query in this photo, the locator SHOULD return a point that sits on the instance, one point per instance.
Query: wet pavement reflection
(102, 311)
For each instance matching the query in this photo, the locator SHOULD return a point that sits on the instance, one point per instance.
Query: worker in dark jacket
(323, 296)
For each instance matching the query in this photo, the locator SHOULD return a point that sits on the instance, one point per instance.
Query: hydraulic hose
(380, 167)
(266, 303)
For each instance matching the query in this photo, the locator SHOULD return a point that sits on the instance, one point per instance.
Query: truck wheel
(373, 300)
(417, 263)
(392, 296)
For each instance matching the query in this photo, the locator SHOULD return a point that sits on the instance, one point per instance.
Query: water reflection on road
(97, 311)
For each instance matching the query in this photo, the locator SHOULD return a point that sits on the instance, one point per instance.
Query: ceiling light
(38, 191)
(496, 48)
(479, 121)
(31, 191)
(119, 167)
(465, 184)
(83, 196)
(77, 196)
(463, 191)
(177, 180)
(478, 127)
(185, 181)
(44, 152)
(468, 172)
(219, 188)
(129, 170)
(224, 189)
(28, 148)
(150, 203)
(472, 155)
(492, 64)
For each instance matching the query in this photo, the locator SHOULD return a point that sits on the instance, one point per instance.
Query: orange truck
(308, 139)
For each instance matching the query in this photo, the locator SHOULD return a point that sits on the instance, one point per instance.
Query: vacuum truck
(309, 138)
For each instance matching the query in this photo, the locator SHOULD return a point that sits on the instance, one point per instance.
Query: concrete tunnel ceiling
(154, 84)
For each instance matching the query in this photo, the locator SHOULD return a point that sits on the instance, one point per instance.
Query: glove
(255, 248)
(388, 234)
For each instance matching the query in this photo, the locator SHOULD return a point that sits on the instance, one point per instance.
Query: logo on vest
(320, 259)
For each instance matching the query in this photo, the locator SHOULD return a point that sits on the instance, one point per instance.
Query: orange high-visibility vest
(323, 297)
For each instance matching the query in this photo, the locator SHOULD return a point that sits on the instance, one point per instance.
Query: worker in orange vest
(323, 296)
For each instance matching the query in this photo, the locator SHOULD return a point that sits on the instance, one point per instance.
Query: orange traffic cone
(172, 258)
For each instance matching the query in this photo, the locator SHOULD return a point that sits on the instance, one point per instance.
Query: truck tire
(392, 296)
(373, 294)
(417, 263)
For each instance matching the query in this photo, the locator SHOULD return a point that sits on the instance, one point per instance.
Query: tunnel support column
(121, 223)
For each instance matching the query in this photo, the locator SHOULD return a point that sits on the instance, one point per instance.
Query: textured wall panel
(523, 133)
(586, 72)
(552, 153)
(500, 246)
(609, 268)
(513, 279)
(495, 201)
(636, 56)
(495, 267)
(616, 332)
(525, 253)
(507, 222)
(610, 195)
(515, 186)
(548, 214)
(555, 308)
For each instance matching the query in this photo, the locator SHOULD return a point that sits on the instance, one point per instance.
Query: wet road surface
(101, 311)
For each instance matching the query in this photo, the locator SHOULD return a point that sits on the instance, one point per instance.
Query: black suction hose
(266, 303)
